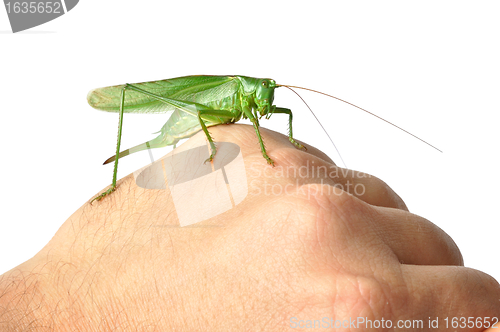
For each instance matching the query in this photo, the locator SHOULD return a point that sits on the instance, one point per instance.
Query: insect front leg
(290, 131)
(219, 114)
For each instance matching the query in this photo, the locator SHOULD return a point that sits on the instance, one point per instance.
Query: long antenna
(343, 162)
(392, 124)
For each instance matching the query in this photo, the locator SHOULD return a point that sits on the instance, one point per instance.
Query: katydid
(196, 102)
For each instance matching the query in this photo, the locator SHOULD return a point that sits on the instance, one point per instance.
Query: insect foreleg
(290, 130)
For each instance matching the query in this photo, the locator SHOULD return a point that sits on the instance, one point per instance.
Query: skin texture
(124, 264)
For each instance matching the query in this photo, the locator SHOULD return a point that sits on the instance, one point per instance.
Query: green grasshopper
(196, 102)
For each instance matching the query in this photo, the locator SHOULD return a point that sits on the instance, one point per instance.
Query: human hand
(273, 263)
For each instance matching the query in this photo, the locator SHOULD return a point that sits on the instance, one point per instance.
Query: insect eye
(264, 84)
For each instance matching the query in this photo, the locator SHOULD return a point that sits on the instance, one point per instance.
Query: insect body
(197, 102)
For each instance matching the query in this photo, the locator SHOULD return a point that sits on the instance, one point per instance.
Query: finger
(313, 169)
(451, 292)
(317, 153)
(370, 189)
(318, 166)
(415, 240)
(246, 136)
(412, 239)
(280, 141)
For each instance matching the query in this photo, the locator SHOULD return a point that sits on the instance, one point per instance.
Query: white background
(432, 67)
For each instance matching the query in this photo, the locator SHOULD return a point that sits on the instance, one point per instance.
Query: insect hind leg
(119, 139)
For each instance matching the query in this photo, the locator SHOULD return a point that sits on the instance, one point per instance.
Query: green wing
(198, 89)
